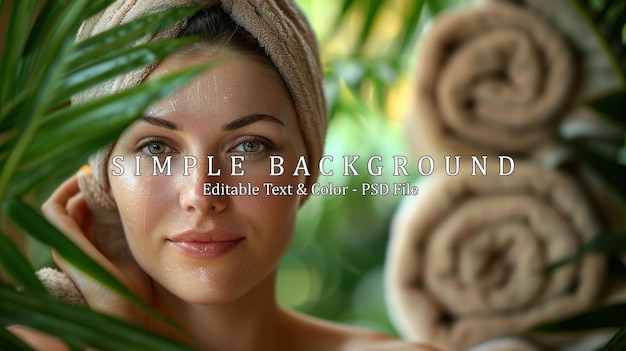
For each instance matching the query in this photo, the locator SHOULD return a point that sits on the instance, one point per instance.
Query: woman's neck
(252, 322)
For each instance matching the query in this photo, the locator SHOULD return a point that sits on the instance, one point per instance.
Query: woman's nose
(201, 192)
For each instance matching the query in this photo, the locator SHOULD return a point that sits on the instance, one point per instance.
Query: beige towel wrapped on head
(280, 28)
(465, 258)
(491, 78)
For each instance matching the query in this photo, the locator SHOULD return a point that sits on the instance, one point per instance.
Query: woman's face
(210, 249)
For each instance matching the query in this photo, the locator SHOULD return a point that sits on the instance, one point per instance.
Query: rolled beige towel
(595, 73)
(595, 77)
(492, 78)
(466, 255)
(583, 343)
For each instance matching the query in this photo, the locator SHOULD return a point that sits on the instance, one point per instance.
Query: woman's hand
(100, 235)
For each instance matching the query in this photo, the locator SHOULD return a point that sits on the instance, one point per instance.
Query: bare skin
(224, 300)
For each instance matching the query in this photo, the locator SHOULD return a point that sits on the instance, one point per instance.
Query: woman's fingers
(78, 210)
(55, 208)
(67, 210)
(67, 200)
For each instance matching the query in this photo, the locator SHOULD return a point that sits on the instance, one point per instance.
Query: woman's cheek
(138, 199)
(279, 200)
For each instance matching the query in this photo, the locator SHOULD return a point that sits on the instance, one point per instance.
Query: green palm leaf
(17, 265)
(43, 139)
(104, 118)
(43, 313)
(35, 225)
(617, 342)
(607, 19)
(15, 40)
(611, 316)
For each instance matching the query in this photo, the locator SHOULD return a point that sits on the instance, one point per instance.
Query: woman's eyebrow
(249, 119)
(159, 122)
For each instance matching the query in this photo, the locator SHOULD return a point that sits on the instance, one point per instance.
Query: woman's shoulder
(318, 334)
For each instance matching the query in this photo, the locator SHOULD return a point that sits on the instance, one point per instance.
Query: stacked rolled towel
(593, 342)
(596, 77)
(491, 78)
(506, 344)
(466, 257)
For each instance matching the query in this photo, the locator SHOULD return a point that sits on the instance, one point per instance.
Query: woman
(209, 262)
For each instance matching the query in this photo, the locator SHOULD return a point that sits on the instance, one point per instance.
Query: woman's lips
(212, 244)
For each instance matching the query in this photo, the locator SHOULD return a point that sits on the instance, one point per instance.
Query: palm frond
(607, 19)
(43, 313)
(43, 138)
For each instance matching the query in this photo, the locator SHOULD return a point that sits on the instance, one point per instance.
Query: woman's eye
(252, 146)
(155, 147)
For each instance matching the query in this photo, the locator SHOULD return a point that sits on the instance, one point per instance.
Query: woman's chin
(207, 294)
(206, 285)
(213, 298)
(215, 280)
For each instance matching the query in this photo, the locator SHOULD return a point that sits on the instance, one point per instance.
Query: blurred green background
(334, 268)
